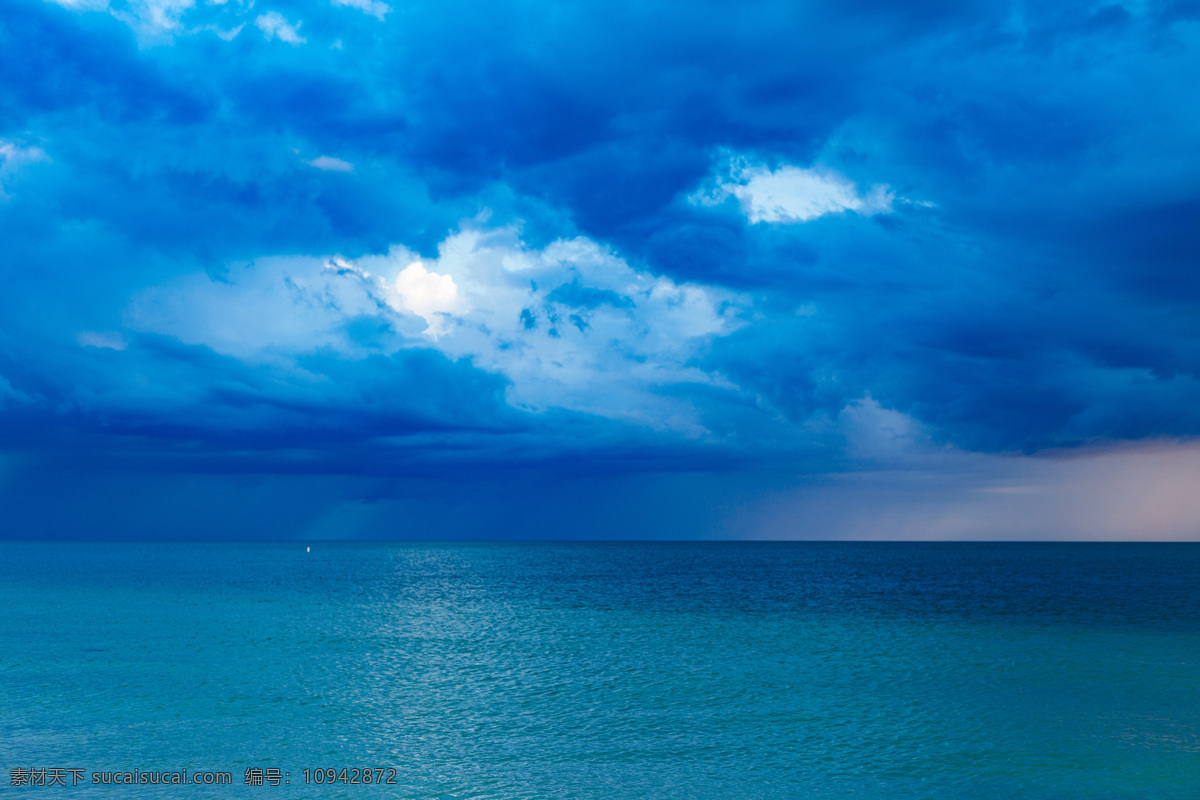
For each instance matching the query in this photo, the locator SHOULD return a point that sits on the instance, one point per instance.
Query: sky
(341, 269)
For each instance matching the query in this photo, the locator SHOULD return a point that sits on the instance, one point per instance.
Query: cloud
(104, 339)
(13, 157)
(330, 164)
(154, 21)
(83, 5)
(273, 310)
(570, 325)
(426, 294)
(882, 435)
(275, 26)
(375, 8)
(161, 15)
(9, 395)
(1139, 493)
(225, 34)
(1048, 303)
(794, 194)
(158, 22)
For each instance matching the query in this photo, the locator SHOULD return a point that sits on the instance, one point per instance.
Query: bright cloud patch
(156, 21)
(881, 434)
(571, 325)
(101, 339)
(426, 294)
(274, 310)
(13, 157)
(794, 194)
(227, 34)
(161, 15)
(152, 19)
(373, 7)
(82, 5)
(275, 26)
(331, 164)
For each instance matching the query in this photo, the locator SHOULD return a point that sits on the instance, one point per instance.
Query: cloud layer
(349, 237)
(793, 194)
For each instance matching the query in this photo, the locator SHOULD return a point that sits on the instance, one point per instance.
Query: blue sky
(525, 270)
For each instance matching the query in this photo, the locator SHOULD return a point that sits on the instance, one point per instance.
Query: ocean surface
(582, 670)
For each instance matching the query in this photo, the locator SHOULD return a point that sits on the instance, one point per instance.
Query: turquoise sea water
(683, 670)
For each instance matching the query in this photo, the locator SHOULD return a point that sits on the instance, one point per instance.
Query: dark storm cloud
(1032, 283)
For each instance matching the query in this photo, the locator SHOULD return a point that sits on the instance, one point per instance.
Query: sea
(872, 671)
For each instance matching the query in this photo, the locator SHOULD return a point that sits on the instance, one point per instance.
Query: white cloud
(153, 20)
(794, 194)
(331, 164)
(571, 325)
(102, 339)
(373, 7)
(158, 20)
(270, 310)
(275, 26)
(13, 157)
(161, 15)
(881, 434)
(426, 294)
(227, 34)
(82, 5)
